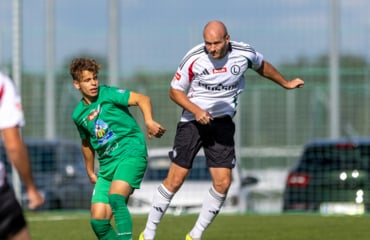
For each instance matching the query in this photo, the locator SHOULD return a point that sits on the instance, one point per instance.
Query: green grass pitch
(75, 226)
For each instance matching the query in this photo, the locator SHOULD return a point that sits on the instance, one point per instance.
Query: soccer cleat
(141, 237)
(188, 237)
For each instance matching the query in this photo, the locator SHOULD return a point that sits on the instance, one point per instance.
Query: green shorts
(131, 170)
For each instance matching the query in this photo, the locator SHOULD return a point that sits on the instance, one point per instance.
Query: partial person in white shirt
(13, 225)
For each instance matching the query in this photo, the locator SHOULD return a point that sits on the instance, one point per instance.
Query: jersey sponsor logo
(235, 69)
(177, 76)
(219, 70)
(110, 149)
(102, 132)
(218, 87)
(93, 115)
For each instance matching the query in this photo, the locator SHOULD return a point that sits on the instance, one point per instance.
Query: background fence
(268, 115)
(272, 124)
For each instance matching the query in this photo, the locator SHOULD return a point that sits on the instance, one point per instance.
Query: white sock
(210, 209)
(161, 200)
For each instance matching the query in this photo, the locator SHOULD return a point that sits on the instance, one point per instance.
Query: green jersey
(113, 132)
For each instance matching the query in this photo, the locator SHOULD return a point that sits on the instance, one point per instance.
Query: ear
(76, 84)
(227, 38)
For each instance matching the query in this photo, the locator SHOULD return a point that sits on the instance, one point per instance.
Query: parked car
(59, 172)
(332, 176)
(190, 196)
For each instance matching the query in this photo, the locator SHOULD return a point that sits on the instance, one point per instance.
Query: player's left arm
(269, 71)
(145, 105)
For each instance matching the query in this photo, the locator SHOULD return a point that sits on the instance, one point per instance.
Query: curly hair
(79, 65)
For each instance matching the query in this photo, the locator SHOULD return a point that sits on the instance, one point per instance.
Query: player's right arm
(179, 97)
(89, 156)
(180, 84)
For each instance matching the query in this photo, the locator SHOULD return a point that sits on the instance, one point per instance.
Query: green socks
(122, 216)
(103, 229)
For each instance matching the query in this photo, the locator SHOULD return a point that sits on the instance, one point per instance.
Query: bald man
(206, 85)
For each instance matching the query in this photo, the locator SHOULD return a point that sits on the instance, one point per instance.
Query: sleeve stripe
(191, 54)
(1, 91)
(245, 48)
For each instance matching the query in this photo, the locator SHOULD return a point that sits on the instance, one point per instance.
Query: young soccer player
(107, 128)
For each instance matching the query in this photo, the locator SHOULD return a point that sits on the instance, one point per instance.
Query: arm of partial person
(183, 101)
(268, 71)
(145, 105)
(18, 156)
(89, 156)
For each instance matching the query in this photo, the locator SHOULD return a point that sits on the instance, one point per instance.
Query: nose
(212, 48)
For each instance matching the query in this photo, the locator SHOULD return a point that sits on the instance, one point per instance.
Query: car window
(158, 167)
(72, 154)
(200, 170)
(336, 157)
(42, 157)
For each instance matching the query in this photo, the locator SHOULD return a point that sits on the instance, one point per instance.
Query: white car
(190, 196)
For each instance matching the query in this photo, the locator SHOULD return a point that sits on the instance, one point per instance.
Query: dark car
(332, 176)
(59, 172)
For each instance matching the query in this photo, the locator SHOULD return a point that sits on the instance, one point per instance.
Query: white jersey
(11, 113)
(214, 84)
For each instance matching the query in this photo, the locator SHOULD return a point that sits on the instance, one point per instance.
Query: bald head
(216, 39)
(216, 28)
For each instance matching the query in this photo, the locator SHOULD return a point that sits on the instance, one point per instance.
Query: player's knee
(222, 186)
(117, 201)
(101, 227)
(173, 184)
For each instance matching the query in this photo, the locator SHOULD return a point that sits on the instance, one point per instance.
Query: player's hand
(295, 83)
(155, 129)
(92, 178)
(35, 199)
(203, 117)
